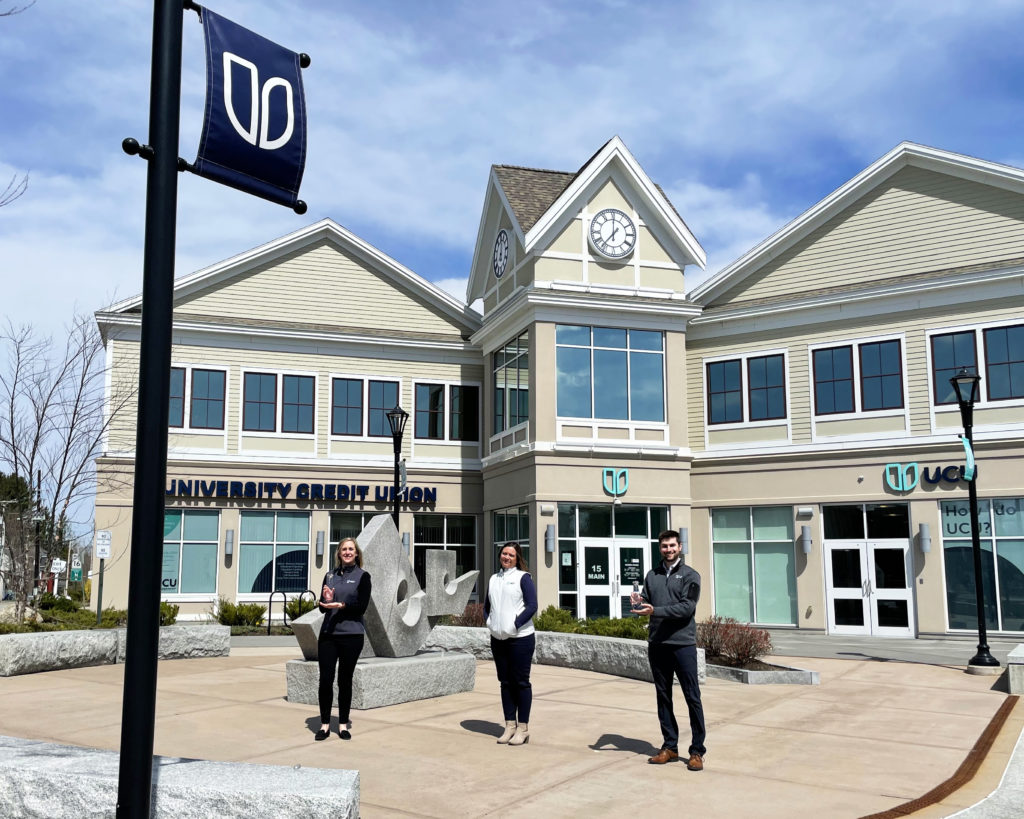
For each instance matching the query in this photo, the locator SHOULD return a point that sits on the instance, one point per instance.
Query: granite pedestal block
(382, 681)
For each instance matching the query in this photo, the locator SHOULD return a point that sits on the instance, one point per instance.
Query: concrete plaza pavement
(872, 736)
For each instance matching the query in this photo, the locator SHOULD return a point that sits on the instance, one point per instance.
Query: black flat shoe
(322, 734)
(344, 733)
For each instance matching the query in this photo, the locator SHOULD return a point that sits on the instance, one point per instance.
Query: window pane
(344, 524)
(772, 523)
(631, 521)
(733, 583)
(169, 570)
(207, 405)
(293, 527)
(172, 525)
(255, 568)
(645, 340)
(291, 568)
(1011, 583)
(888, 520)
(595, 520)
(766, 388)
(775, 582)
(961, 598)
(199, 568)
(573, 366)
(176, 416)
(950, 352)
(460, 529)
(428, 529)
(1004, 351)
(609, 337)
(297, 404)
(724, 397)
(833, 380)
(1009, 517)
(258, 526)
(844, 522)
(610, 399)
(646, 387)
(881, 375)
(258, 409)
(659, 520)
(572, 334)
(465, 406)
(566, 520)
(383, 397)
(201, 525)
(730, 524)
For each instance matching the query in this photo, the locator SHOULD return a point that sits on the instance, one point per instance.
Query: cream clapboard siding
(913, 325)
(324, 367)
(124, 385)
(918, 221)
(320, 284)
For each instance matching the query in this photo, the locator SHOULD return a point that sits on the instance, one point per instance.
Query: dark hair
(668, 534)
(359, 552)
(520, 560)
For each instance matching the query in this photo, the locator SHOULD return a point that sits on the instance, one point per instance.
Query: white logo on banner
(258, 116)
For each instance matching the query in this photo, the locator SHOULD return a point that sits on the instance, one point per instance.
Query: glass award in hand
(636, 601)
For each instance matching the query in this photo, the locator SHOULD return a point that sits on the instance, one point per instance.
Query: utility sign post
(254, 139)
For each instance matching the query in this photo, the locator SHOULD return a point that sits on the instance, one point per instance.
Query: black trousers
(680, 661)
(512, 660)
(339, 652)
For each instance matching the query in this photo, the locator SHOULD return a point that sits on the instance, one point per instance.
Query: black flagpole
(138, 709)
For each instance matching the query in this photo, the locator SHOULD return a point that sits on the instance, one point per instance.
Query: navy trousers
(339, 652)
(512, 659)
(681, 661)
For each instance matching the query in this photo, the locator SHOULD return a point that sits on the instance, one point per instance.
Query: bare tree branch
(15, 188)
(16, 9)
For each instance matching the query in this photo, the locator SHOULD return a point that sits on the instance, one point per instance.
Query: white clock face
(612, 233)
(501, 250)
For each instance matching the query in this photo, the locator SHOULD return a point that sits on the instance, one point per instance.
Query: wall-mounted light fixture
(547, 509)
(684, 541)
(549, 538)
(406, 540)
(229, 542)
(320, 544)
(805, 539)
(805, 511)
(924, 537)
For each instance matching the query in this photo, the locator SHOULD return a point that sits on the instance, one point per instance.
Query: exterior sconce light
(805, 511)
(805, 539)
(406, 541)
(924, 538)
(320, 544)
(229, 542)
(684, 541)
(549, 538)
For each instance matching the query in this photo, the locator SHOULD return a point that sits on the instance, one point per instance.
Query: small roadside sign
(58, 565)
(103, 544)
(76, 575)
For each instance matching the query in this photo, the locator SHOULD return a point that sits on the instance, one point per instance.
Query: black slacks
(341, 652)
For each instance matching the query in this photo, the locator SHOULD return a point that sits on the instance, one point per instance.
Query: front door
(868, 588)
(608, 569)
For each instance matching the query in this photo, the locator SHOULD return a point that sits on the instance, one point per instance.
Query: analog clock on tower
(612, 233)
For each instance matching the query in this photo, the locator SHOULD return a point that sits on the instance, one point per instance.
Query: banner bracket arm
(188, 5)
(132, 147)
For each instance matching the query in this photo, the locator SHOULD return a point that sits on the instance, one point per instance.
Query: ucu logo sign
(258, 132)
(616, 481)
(905, 477)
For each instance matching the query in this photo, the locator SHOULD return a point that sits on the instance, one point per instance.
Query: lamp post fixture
(396, 420)
(965, 385)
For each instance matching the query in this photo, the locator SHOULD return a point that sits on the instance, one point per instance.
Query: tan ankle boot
(522, 735)
(510, 729)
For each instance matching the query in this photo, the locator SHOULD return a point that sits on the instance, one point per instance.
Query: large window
(765, 389)
(347, 406)
(273, 552)
(1001, 531)
(1004, 362)
(383, 397)
(297, 404)
(190, 552)
(176, 414)
(457, 403)
(206, 409)
(454, 533)
(510, 525)
(951, 352)
(753, 561)
(610, 373)
(865, 377)
(259, 404)
(511, 367)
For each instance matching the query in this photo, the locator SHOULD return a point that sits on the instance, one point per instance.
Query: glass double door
(607, 568)
(868, 587)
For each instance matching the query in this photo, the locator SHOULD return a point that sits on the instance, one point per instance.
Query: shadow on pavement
(621, 743)
(479, 726)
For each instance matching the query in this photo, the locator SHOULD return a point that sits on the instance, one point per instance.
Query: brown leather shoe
(663, 756)
(696, 762)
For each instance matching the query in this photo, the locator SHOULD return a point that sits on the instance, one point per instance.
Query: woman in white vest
(509, 608)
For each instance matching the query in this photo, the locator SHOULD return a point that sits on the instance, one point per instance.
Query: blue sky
(746, 113)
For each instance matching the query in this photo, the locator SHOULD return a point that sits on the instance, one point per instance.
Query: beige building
(792, 416)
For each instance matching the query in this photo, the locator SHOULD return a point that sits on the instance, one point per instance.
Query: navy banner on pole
(254, 130)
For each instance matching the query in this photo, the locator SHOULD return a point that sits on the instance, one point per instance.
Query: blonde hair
(354, 542)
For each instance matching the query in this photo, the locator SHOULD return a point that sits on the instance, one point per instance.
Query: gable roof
(535, 198)
(906, 154)
(324, 230)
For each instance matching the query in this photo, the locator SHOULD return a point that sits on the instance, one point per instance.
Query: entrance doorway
(608, 568)
(868, 570)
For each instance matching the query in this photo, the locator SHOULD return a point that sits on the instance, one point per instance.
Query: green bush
(556, 619)
(631, 628)
(50, 602)
(168, 613)
(298, 606)
(239, 614)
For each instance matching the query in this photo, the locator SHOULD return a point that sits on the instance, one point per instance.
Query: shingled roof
(531, 191)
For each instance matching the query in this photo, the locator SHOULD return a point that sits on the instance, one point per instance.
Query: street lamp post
(965, 384)
(396, 419)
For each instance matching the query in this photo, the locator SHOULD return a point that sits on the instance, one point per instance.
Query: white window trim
(249, 597)
(195, 597)
(186, 412)
(983, 402)
(278, 407)
(855, 344)
(366, 378)
(769, 423)
(446, 440)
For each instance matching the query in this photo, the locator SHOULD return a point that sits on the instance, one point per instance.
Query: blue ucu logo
(905, 477)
